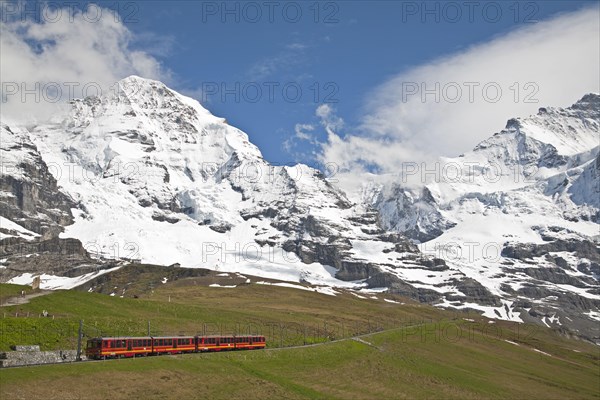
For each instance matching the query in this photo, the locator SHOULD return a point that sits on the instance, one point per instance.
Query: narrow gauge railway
(101, 348)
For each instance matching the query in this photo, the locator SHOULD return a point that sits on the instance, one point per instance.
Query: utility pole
(79, 337)
(148, 327)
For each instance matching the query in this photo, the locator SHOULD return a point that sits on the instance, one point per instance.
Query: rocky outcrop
(29, 192)
(36, 357)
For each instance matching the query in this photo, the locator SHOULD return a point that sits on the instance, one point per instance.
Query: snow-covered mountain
(519, 214)
(155, 177)
(147, 174)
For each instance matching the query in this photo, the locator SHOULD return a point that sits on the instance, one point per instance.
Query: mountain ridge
(150, 175)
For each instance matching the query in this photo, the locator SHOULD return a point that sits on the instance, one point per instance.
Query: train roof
(140, 337)
(166, 337)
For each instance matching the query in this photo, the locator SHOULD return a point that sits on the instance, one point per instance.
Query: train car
(173, 345)
(111, 347)
(219, 343)
(250, 342)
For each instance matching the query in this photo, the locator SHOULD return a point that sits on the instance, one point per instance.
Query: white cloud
(560, 58)
(73, 50)
(328, 117)
(302, 131)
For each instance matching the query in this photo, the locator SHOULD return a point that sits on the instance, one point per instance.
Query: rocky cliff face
(148, 174)
(33, 213)
(30, 194)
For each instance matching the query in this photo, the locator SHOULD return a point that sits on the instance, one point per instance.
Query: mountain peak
(152, 94)
(589, 102)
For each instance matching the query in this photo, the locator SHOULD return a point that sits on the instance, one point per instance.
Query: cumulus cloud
(44, 62)
(328, 117)
(445, 107)
(303, 131)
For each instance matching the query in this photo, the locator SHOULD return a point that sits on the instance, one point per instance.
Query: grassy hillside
(387, 365)
(411, 351)
(188, 305)
(286, 316)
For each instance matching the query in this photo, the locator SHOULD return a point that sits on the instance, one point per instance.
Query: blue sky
(339, 53)
(356, 45)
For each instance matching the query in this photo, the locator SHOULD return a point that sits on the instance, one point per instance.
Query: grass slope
(420, 351)
(388, 365)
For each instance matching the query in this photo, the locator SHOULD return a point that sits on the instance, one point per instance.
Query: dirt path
(17, 300)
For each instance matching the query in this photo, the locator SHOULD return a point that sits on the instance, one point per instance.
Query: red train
(115, 347)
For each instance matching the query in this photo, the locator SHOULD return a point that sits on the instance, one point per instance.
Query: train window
(169, 342)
